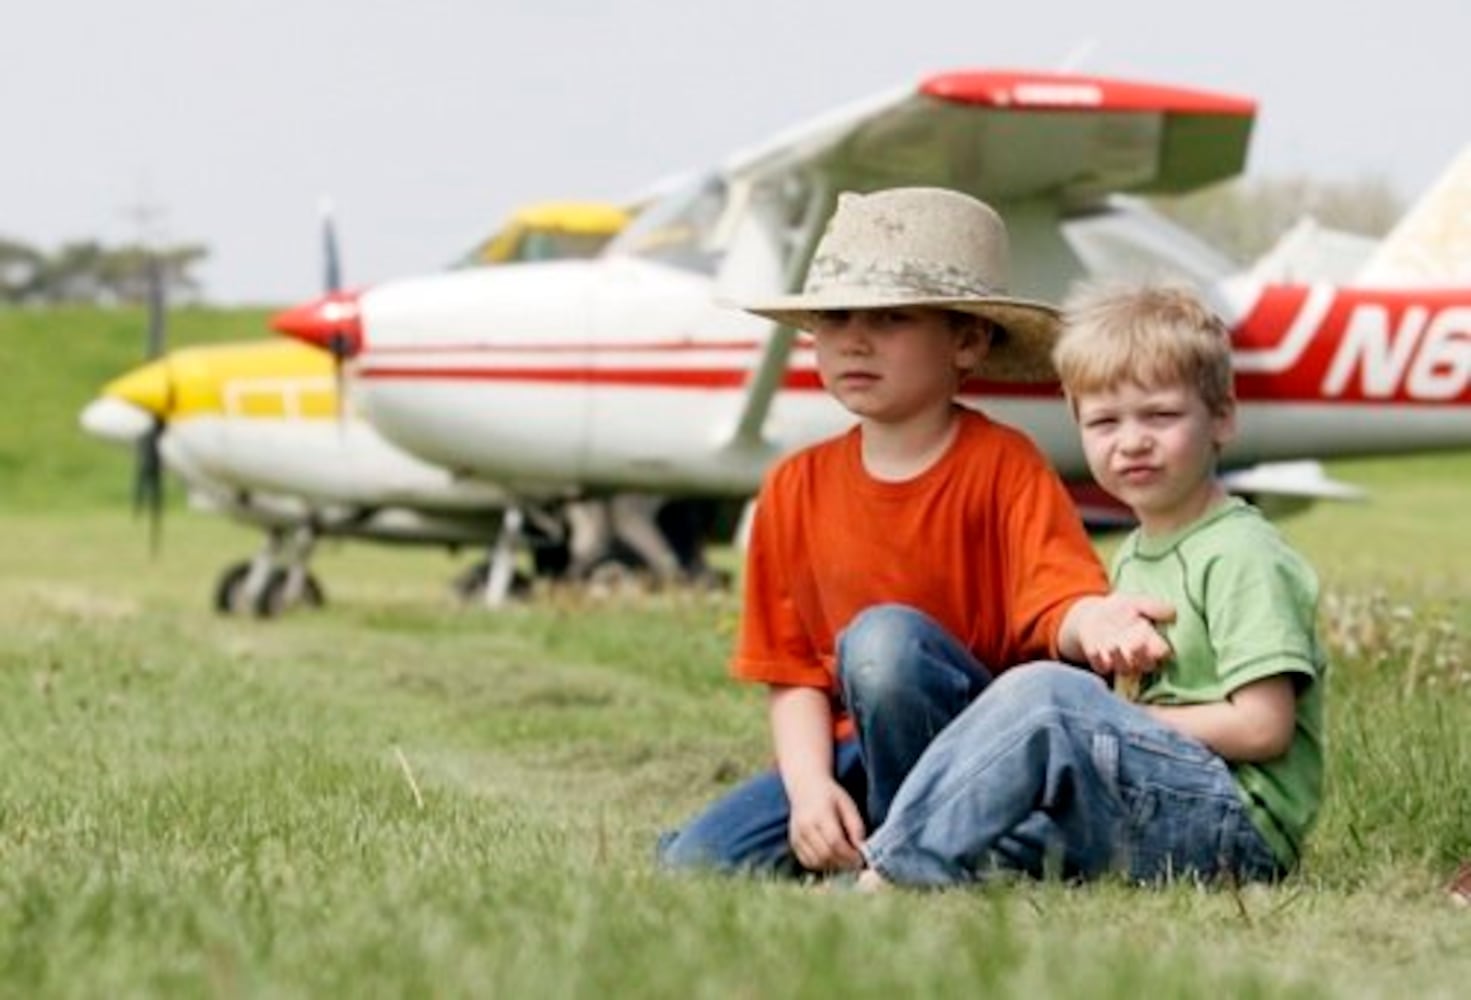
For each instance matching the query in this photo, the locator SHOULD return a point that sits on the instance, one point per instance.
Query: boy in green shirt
(1217, 770)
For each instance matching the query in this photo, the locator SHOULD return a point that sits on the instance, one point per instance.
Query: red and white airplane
(625, 373)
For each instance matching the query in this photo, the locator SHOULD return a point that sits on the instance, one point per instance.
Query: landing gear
(289, 588)
(628, 541)
(501, 564)
(277, 579)
(229, 588)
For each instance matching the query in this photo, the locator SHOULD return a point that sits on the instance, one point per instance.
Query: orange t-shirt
(985, 541)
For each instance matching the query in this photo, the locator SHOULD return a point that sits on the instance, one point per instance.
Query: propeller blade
(337, 343)
(331, 256)
(148, 484)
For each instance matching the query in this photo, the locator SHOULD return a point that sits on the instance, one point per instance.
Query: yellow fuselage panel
(249, 380)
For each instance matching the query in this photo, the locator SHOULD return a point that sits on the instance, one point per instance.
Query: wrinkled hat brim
(1023, 355)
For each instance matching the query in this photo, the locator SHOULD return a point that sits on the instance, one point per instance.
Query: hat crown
(924, 243)
(926, 247)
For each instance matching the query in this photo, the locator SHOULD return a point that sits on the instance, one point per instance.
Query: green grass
(203, 806)
(401, 796)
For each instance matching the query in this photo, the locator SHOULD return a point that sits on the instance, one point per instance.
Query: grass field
(400, 796)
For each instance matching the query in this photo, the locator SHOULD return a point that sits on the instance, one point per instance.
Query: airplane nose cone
(332, 322)
(116, 420)
(128, 406)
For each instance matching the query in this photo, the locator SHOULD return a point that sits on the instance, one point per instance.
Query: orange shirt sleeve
(1050, 561)
(774, 645)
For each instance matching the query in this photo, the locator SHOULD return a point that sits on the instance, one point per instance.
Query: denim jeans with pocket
(903, 680)
(1050, 773)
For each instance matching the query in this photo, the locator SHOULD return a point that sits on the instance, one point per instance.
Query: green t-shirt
(1245, 607)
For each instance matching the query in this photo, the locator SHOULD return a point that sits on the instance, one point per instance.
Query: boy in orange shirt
(894, 569)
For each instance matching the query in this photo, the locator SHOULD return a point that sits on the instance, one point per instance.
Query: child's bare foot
(869, 880)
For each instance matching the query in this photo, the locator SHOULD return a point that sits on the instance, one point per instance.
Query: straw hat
(923, 247)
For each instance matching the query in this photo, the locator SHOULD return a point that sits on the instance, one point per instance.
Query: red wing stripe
(1067, 92)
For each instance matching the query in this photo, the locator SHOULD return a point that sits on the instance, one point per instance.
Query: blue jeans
(903, 680)
(1049, 772)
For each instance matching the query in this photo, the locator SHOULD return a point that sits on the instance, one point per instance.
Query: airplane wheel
(469, 586)
(619, 572)
(272, 600)
(227, 588)
(470, 583)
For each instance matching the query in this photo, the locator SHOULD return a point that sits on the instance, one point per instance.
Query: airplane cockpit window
(546, 244)
(679, 230)
(533, 244)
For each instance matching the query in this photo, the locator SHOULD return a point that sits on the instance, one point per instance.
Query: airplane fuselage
(635, 379)
(258, 431)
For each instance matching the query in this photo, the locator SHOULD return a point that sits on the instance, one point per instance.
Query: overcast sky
(427, 121)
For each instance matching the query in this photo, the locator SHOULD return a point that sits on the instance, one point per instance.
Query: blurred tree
(72, 274)
(20, 270)
(85, 271)
(1244, 218)
(123, 272)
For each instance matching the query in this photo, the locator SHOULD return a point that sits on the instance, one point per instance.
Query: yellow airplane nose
(149, 387)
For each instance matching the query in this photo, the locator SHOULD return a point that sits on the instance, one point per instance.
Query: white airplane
(626, 373)
(253, 430)
(256, 430)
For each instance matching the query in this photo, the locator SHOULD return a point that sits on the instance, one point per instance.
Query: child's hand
(826, 828)
(1116, 634)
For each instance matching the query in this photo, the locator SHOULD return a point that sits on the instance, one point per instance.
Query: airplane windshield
(534, 244)
(558, 245)
(680, 229)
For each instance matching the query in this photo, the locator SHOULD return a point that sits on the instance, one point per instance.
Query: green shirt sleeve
(1260, 602)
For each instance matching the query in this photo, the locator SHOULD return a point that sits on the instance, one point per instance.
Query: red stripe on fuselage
(534, 347)
(1353, 346)
(656, 378)
(804, 379)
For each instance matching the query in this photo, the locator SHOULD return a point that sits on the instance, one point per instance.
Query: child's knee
(879, 648)
(1047, 683)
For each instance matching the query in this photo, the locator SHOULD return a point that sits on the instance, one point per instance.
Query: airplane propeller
(331, 256)
(330, 322)
(337, 343)
(148, 483)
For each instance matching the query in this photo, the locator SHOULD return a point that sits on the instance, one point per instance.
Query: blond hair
(1149, 336)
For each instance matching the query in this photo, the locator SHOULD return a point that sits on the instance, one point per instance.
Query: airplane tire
(227, 588)
(620, 571)
(272, 600)
(469, 585)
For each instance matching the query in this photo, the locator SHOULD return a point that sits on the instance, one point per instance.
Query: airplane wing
(1007, 136)
(1033, 145)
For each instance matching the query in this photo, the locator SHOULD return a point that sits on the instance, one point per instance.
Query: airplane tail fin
(1431, 244)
